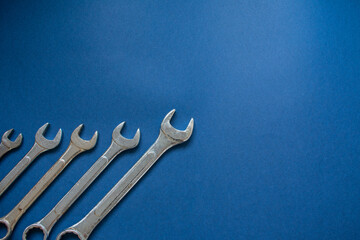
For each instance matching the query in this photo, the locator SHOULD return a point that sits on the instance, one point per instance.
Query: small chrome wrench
(41, 145)
(76, 146)
(7, 145)
(168, 138)
(118, 145)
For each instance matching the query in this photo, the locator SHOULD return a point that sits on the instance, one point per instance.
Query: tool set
(168, 137)
(41, 145)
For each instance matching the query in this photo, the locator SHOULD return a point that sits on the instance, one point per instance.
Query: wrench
(7, 145)
(76, 146)
(41, 145)
(118, 145)
(168, 138)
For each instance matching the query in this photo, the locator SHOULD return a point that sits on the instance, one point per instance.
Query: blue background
(273, 87)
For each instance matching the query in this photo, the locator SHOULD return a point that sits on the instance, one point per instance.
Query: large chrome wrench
(7, 145)
(118, 145)
(41, 145)
(168, 138)
(76, 146)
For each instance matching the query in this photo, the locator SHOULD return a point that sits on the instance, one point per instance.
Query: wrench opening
(70, 232)
(173, 133)
(44, 142)
(6, 224)
(9, 143)
(34, 228)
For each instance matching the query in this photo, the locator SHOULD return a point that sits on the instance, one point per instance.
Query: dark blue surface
(273, 87)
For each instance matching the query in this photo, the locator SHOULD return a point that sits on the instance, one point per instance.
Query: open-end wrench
(168, 138)
(76, 146)
(7, 145)
(41, 145)
(118, 145)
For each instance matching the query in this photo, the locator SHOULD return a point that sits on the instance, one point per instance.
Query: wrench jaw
(8, 228)
(35, 226)
(81, 143)
(177, 136)
(11, 144)
(125, 142)
(72, 231)
(46, 143)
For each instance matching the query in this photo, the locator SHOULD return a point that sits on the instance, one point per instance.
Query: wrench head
(11, 144)
(9, 228)
(173, 133)
(35, 226)
(125, 142)
(71, 231)
(81, 143)
(46, 143)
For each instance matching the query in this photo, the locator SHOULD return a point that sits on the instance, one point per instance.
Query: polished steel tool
(118, 145)
(76, 146)
(168, 138)
(7, 145)
(41, 145)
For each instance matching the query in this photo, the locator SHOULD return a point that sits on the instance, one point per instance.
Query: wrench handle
(126, 183)
(3, 149)
(35, 151)
(84, 182)
(14, 215)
